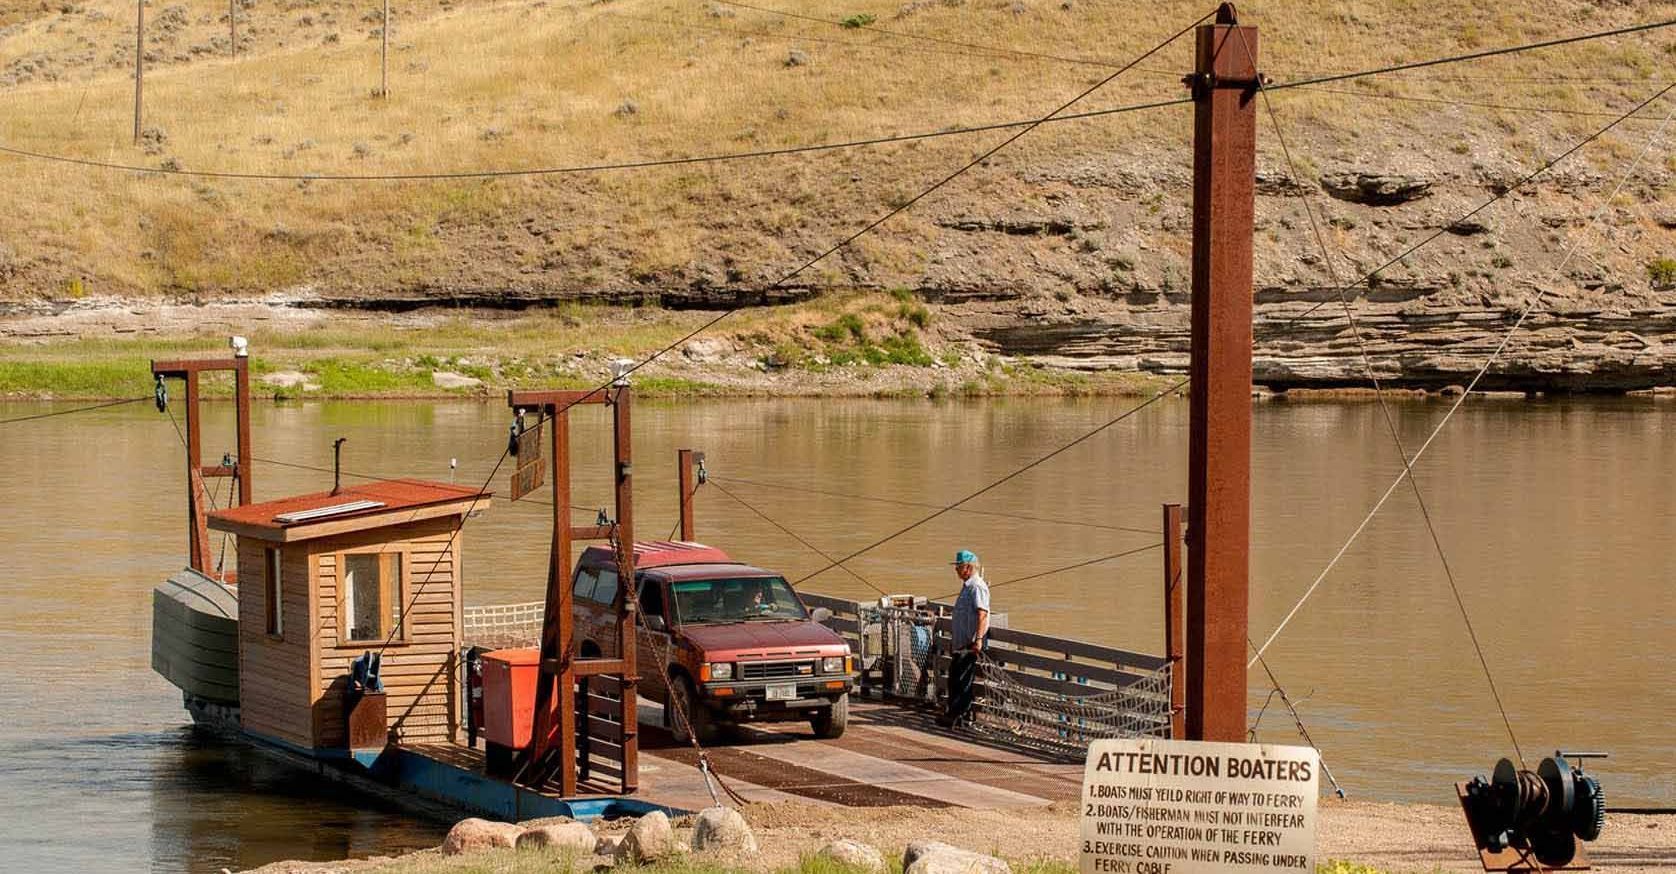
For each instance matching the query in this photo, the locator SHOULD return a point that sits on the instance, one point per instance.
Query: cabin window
(605, 591)
(274, 590)
(372, 596)
(586, 579)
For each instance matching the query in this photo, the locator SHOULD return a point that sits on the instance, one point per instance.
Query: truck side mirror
(655, 622)
(820, 614)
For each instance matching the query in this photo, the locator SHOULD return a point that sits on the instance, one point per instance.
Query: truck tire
(682, 697)
(829, 724)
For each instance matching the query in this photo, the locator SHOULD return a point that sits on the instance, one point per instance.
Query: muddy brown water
(1559, 518)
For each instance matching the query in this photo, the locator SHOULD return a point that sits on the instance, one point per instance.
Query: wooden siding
(274, 691)
(419, 667)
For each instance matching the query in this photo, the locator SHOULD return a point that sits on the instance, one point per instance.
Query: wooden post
(628, 609)
(1219, 477)
(684, 464)
(198, 547)
(241, 393)
(384, 54)
(233, 27)
(1175, 608)
(558, 628)
(139, 64)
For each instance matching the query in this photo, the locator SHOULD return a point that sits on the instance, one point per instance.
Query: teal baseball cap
(965, 556)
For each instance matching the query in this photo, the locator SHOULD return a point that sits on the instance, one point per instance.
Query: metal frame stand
(553, 744)
(198, 545)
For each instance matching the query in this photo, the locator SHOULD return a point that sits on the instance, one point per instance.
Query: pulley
(515, 430)
(160, 393)
(1541, 813)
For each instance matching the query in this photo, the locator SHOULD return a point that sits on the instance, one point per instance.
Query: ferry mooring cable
(909, 203)
(1005, 479)
(1059, 570)
(1489, 361)
(90, 408)
(794, 535)
(1390, 424)
(1025, 517)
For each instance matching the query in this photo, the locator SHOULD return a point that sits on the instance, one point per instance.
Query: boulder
(854, 854)
(450, 379)
(572, 838)
(1376, 189)
(722, 828)
(476, 835)
(936, 857)
(650, 839)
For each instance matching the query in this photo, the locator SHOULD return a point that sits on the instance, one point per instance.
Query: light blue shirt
(974, 596)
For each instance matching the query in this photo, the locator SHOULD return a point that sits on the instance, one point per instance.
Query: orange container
(509, 677)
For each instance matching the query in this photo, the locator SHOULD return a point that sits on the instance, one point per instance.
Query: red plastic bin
(509, 677)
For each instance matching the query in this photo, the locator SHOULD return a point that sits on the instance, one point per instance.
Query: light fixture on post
(240, 346)
(620, 370)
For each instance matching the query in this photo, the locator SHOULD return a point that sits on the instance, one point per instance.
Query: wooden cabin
(327, 577)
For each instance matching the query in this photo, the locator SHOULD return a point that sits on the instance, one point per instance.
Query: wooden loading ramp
(889, 756)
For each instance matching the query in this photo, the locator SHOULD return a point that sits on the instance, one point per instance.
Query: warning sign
(1180, 807)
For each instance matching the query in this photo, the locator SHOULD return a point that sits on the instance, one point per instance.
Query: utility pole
(384, 54)
(139, 64)
(1219, 471)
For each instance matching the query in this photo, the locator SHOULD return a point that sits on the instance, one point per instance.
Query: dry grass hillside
(536, 83)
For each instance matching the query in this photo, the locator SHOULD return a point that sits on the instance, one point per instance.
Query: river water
(1558, 518)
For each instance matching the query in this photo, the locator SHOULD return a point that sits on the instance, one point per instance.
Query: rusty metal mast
(1219, 473)
(553, 750)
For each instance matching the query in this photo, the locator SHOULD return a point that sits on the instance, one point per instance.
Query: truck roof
(650, 554)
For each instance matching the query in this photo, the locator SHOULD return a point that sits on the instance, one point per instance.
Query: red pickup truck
(723, 641)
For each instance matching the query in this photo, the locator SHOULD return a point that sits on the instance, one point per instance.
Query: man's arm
(983, 630)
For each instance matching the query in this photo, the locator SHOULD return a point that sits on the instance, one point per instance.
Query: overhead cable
(1482, 370)
(1005, 479)
(54, 413)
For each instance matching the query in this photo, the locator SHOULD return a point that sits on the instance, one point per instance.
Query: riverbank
(1353, 837)
(852, 344)
(861, 344)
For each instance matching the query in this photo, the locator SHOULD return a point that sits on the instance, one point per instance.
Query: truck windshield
(736, 600)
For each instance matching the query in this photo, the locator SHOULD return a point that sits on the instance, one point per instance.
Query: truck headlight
(720, 670)
(832, 665)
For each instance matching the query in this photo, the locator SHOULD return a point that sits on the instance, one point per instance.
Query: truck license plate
(782, 692)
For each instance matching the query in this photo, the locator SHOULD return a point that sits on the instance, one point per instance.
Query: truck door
(656, 648)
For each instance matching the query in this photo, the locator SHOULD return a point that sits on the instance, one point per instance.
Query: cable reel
(1541, 813)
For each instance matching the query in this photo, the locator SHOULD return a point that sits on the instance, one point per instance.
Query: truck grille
(776, 670)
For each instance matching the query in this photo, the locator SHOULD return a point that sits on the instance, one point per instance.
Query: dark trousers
(963, 670)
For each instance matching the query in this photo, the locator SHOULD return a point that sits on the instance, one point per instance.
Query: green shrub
(1662, 272)
(858, 20)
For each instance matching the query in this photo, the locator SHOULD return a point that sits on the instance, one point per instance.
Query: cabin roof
(662, 553)
(367, 505)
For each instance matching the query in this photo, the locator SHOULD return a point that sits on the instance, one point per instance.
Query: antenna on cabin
(337, 464)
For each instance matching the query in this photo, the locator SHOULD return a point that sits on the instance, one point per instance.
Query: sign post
(1152, 806)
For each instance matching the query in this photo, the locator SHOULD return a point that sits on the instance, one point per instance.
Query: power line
(906, 503)
(1009, 477)
(102, 406)
(1475, 104)
(795, 150)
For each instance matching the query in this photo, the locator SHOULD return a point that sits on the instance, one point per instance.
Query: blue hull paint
(410, 779)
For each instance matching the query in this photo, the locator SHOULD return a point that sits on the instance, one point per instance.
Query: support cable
(1488, 361)
(793, 535)
(967, 510)
(101, 406)
(1385, 413)
(1059, 570)
(1005, 479)
(1297, 720)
